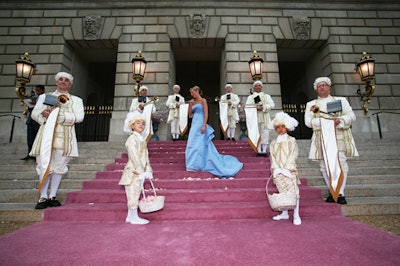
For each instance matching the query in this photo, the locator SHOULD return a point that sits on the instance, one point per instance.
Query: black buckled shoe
(341, 200)
(330, 199)
(42, 204)
(53, 202)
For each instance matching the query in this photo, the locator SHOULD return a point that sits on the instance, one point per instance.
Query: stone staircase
(373, 186)
(18, 179)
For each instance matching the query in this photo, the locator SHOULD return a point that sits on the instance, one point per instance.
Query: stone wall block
(261, 29)
(108, 28)
(122, 103)
(116, 33)
(238, 29)
(181, 27)
(286, 28)
(367, 31)
(391, 103)
(277, 32)
(212, 29)
(155, 28)
(77, 28)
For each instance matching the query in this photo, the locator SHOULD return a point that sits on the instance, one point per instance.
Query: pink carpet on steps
(205, 221)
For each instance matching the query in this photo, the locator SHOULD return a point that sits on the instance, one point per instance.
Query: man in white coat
(144, 106)
(260, 104)
(332, 143)
(228, 112)
(174, 102)
(56, 142)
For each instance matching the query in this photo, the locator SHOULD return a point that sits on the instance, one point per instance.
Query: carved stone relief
(197, 25)
(301, 28)
(92, 27)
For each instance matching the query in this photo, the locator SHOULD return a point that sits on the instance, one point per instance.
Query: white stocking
(296, 216)
(341, 191)
(55, 183)
(135, 219)
(128, 216)
(43, 191)
(296, 210)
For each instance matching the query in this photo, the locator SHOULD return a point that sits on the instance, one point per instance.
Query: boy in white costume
(136, 170)
(283, 155)
(173, 103)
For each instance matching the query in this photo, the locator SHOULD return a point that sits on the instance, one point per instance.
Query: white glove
(277, 171)
(149, 175)
(142, 176)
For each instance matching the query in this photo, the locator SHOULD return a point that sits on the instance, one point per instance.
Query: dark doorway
(206, 75)
(299, 64)
(95, 67)
(198, 62)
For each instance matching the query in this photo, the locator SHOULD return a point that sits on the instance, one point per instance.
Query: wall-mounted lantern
(366, 69)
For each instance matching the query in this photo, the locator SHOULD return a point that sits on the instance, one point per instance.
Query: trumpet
(155, 99)
(241, 105)
(62, 99)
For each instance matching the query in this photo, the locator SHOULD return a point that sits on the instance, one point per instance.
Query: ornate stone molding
(301, 28)
(197, 25)
(92, 27)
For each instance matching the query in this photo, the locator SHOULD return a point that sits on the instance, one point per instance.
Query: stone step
(32, 167)
(356, 171)
(33, 183)
(358, 180)
(79, 175)
(28, 195)
(371, 206)
(20, 211)
(373, 190)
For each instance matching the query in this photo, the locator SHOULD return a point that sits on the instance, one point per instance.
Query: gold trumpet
(155, 99)
(241, 105)
(62, 99)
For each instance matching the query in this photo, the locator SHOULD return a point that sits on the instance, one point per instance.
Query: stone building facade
(205, 43)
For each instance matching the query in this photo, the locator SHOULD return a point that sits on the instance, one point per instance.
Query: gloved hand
(142, 176)
(149, 175)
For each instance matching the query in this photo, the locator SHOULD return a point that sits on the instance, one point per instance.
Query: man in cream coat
(56, 142)
(174, 101)
(262, 104)
(228, 112)
(332, 138)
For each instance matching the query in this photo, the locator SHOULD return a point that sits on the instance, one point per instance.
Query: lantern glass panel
(24, 71)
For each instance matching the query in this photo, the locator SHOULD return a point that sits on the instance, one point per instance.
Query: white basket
(151, 203)
(281, 201)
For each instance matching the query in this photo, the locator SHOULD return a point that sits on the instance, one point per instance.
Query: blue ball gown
(202, 155)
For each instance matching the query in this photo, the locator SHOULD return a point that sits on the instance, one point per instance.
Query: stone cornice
(201, 4)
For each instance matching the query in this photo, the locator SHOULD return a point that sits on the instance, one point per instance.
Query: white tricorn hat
(283, 118)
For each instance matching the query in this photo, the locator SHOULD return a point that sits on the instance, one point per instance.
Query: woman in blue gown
(201, 154)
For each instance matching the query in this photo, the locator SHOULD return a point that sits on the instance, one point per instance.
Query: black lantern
(255, 65)
(366, 69)
(25, 68)
(138, 69)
